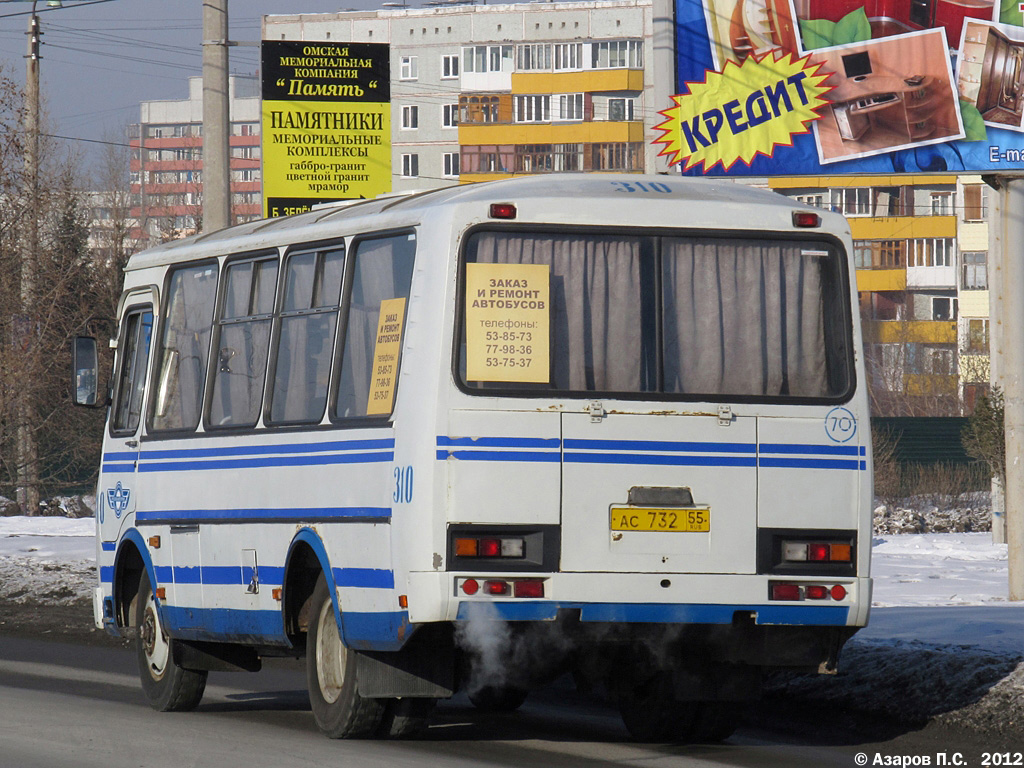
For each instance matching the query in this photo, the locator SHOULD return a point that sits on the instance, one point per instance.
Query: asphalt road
(65, 704)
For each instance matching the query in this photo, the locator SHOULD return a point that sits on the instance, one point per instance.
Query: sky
(101, 59)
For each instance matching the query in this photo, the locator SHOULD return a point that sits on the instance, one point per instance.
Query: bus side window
(309, 317)
(184, 348)
(243, 339)
(382, 271)
(131, 377)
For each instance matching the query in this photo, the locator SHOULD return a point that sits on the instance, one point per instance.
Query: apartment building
(481, 92)
(166, 163)
(921, 252)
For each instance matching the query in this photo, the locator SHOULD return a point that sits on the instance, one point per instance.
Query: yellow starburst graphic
(745, 110)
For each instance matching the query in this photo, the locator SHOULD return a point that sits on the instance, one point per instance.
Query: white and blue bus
(475, 438)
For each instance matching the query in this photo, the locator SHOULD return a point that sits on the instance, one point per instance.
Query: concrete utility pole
(997, 290)
(1010, 313)
(27, 492)
(216, 117)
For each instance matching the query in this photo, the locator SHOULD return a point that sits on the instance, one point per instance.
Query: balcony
(874, 280)
(910, 332)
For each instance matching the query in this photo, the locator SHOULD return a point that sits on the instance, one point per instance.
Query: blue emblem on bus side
(118, 498)
(840, 425)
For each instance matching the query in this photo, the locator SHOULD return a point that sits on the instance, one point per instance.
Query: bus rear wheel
(168, 687)
(340, 711)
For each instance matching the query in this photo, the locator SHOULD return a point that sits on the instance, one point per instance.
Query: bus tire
(340, 711)
(715, 721)
(405, 718)
(497, 698)
(168, 687)
(652, 714)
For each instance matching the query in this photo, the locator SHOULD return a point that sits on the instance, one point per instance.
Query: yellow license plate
(691, 520)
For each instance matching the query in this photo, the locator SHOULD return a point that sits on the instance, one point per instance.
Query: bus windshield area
(683, 317)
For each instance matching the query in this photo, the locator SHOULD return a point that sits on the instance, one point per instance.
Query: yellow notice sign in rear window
(507, 322)
(386, 350)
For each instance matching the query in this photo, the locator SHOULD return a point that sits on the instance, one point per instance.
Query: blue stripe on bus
(164, 574)
(107, 574)
(269, 461)
(111, 469)
(811, 463)
(382, 631)
(121, 456)
(445, 453)
(371, 578)
(819, 450)
(259, 450)
(108, 546)
(794, 615)
(499, 442)
(261, 515)
(643, 458)
(658, 445)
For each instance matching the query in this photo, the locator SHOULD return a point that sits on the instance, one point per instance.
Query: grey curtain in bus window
(306, 344)
(744, 318)
(596, 304)
(240, 363)
(382, 270)
(131, 383)
(184, 348)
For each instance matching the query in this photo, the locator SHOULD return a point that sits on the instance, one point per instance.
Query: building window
(570, 106)
(932, 252)
(533, 57)
(487, 159)
(245, 129)
(816, 200)
(568, 56)
(880, 254)
(977, 336)
(975, 270)
(975, 202)
(451, 164)
(410, 166)
(940, 361)
(408, 68)
(245, 174)
(852, 201)
(616, 54)
(942, 204)
(449, 115)
(620, 109)
(246, 153)
(617, 156)
(487, 58)
(410, 117)
(478, 109)
(449, 66)
(943, 308)
(533, 109)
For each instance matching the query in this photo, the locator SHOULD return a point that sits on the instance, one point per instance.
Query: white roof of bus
(539, 198)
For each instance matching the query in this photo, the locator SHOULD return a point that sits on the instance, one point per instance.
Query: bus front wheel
(168, 687)
(338, 708)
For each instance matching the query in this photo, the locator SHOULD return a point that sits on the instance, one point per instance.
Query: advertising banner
(829, 87)
(326, 123)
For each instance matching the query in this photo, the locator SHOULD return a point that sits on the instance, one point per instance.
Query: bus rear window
(680, 317)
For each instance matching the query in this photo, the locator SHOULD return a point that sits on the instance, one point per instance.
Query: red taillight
(806, 219)
(470, 586)
(495, 587)
(529, 588)
(786, 592)
(503, 211)
(816, 592)
(838, 592)
(490, 547)
(817, 551)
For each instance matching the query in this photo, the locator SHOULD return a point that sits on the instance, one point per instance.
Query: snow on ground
(943, 640)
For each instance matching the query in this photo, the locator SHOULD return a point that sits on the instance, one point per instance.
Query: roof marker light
(503, 211)
(806, 219)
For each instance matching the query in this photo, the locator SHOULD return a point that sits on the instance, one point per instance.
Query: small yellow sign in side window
(508, 322)
(386, 351)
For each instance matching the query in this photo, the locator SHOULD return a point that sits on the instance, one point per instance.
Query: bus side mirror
(84, 371)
